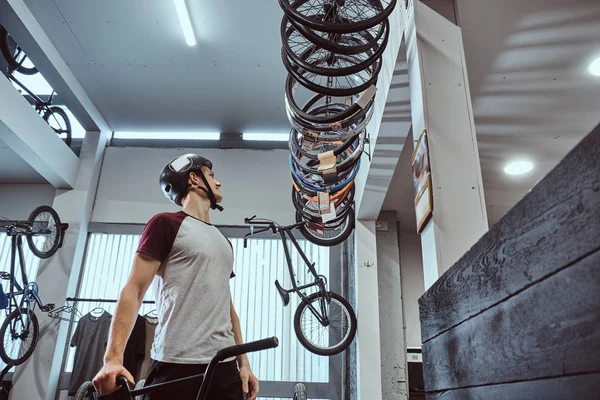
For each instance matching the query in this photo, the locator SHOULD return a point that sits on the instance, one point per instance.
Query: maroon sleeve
(159, 235)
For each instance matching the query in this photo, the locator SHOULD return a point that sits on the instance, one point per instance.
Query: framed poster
(422, 181)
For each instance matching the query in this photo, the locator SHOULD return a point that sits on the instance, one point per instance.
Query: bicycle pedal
(4, 275)
(48, 307)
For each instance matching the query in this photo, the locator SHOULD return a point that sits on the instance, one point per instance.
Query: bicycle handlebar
(227, 352)
(251, 347)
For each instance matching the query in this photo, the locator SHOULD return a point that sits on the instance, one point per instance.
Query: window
(108, 263)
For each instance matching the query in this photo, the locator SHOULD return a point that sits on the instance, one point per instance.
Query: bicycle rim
(325, 338)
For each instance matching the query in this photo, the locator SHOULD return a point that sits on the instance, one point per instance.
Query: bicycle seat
(285, 296)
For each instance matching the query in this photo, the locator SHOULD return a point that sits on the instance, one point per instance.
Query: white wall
(254, 182)
(411, 267)
(17, 201)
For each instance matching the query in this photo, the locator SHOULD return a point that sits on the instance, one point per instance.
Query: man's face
(210, 177)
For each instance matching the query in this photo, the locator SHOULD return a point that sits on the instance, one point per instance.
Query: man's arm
(249, 381)
(130, 301)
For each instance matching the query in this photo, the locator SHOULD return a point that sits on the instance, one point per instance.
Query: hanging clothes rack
(81, 299)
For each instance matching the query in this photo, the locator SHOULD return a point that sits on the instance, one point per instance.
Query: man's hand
(249, 382)
(105, 380)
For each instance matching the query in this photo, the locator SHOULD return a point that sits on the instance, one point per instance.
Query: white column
(38, 377)
(393, 349)
(441, 103)
(367, 304)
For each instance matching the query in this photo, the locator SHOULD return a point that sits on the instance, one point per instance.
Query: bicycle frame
(29, 290)
(39, 103)
(286, 233)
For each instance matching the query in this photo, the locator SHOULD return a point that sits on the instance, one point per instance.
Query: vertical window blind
(108, 264)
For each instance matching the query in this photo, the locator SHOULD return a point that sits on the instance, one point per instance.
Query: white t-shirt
(193, 299)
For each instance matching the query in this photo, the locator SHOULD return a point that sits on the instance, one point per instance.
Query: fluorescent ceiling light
(186, 23)
(594, 67)
(518, 167)
(274, 137)
(168, 135)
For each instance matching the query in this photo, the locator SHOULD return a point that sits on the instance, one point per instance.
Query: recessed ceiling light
(186, 22)
(518, 167)
(594, 67)
(272, 137)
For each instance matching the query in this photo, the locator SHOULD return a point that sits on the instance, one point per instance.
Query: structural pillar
(368, 365)
(58, 276)
(441, 104)
(391, 317)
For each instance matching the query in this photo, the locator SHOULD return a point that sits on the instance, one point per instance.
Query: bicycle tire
(297, 73)
(319, 240)
(300, 392)
(85, 391)
(346, 340)
(370, 41)
(291, 10)
(347, 113)
(57, 231)
(359, 60)
(35, 332)
(7, 52)
(67, 132)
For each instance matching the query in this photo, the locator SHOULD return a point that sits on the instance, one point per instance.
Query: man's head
(190, 174)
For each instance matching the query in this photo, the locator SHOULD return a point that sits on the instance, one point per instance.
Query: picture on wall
(422, 181)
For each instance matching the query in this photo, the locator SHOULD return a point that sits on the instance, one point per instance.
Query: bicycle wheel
(14, 55)
(338, 16)
(47, 234)
(19, 332)
(58, 120)
(300, 392)
(85, 391)
(325, 340)
(327, 234)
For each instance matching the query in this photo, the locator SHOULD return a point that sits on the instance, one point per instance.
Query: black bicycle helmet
(174, 178)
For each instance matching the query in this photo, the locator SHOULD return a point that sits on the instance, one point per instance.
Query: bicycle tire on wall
(7, 52)
(327, 242)
(34, 330)
(57, 240)
(322, 351)
(291, 10)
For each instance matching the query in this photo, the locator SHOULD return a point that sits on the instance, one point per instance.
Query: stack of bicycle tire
(332, 51)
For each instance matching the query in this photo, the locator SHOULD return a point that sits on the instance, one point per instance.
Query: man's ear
(194, 179)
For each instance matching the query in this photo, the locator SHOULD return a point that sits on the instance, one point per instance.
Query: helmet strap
(208, 191)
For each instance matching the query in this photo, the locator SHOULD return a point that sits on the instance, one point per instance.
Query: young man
(193, 261)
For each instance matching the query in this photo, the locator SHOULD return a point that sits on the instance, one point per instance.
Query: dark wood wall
(518, 316)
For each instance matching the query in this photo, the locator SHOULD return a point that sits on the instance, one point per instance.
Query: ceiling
(132, 60)
(531, 94)
(14, 170)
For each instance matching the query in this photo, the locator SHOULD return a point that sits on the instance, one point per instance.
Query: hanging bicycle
(324, 323)
(19, 332)
(17, 61)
